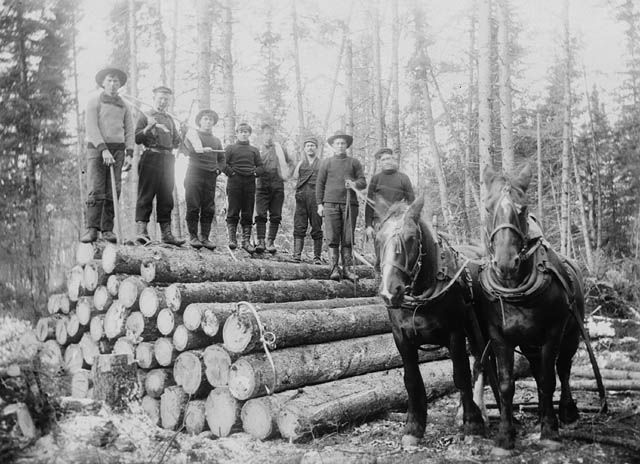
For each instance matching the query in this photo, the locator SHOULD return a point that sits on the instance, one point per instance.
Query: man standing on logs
(270, 189)
(337, 177)
(306, 211)
(206, 162)
(110, 137)
(159, 134)
(243, 165)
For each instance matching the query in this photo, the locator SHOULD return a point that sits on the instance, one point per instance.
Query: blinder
(520, 228)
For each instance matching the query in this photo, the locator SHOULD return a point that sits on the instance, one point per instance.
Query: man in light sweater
(337, 175)
(110, 137)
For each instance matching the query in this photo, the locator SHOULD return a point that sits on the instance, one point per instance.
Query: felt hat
(310, 138)
(122, 76)
(211, 113)
(163, 88)
(382, 151)
(340, 135)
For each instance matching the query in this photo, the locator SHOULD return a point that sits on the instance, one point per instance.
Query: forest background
(451, 86)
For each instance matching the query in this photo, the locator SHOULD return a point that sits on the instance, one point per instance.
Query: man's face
(310, 149)
(388, 161)
(111, 84)
(243, 134)
(161, 100)
(206, 123)
(339, 146)
(267, 135)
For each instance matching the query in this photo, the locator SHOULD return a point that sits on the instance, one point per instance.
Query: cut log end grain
(126, 347)
(210, 323)
(85, 253)
(109, 258)
(173, 297)
(139, 328)
(192, 316)
(102, 299)
(237, 332)
(164, 351)
(259, 418)
(217, 361)
(242, 380)
(94, 275)
(151, 406)
(188, 372)
(184, 339)
(167, 321)
(75, 283)
(46, 328)
(115, 319)
(84, 309)
(113, 283)
(61, 331)
(145, 357)
(151, 301)
(58, 303)
(73, 358)
(130, 290)
(194, 417)
(172, 404)
(157, 380)
(81, 383)
(74, 331)
(222, 411)
(89, 348)
(148, 270)
(96, 327)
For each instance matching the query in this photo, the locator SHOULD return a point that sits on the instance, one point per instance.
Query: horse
(427, 288)
(533, 299)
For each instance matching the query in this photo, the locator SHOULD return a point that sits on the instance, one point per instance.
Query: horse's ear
(524, 178)
(488, 175)
(415, 209)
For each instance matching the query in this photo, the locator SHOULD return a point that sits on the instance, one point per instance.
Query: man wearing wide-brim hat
(110, 138)
(338, 178)
(206, 162)
(156, 172)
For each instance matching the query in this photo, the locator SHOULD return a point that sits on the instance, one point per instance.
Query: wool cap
(122, 76)
(382, 151)
(164, 89)
(211, 113)
(244, 125)
(340, 135)
(310, 138)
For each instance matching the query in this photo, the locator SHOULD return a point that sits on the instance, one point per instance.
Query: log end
(187, 372)
(149, 302)
(172, 404)
(258, 419)
(210, 323)
(173, 297)
(81, 383)
(237, 332)
(222, 412)
(126, 347)
(217, 363)
(192, 316)
(109, 256)
(85, 253)
(152, 407)
(148, 271)
(289, 424)
(194, 417)
(164, 351)
(96, 327)
(180, 338)
(242, 380)
(145, 356)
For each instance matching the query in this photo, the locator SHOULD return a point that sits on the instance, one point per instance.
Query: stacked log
(258, 345)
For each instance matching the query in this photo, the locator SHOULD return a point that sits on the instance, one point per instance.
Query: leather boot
(246, 240)
(347, 265)
(167, 236)
(205, 230)
(90, 236)
(298, 246)
(194, 241)
(261, 231)
(106, 223)
(273, 231)
(334, 258)
(317, 251)
(142, 236)
(109, 236)
(232, 230)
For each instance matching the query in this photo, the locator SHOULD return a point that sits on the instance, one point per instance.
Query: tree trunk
(566, 136)
(145, 356)
(596, 226)
(189, 373)
(222, 411)
(374, 11)
(203, 28)
(151, 301)
(94, 275)
(583, 214)
(227, 75)
(260, 415)
(185, 339)
(470, 191)
(195, 420)
(296, 58)
(172, 404)
(167, 321)
(252, 375)
(130, 290)
(102, 299)
(140, 328)
(79, 125)
(115, 319)
(484, 94)
(164, 351)
(151, 406)
(241, 333)
(157, 381)
(395, 81)
(539, 169)
(217, 363)
(131, 193)
(328, 405)
(348, 78)
(179, 296)
(504, 76)
(115, 381)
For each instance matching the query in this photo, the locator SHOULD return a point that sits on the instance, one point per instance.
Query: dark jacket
(392, 186)
(333, 173)
(243, 159)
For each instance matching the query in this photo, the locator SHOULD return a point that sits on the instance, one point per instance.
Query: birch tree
(504, 73)
(204, 54)
(227, 75)
(377, 78)
(566, 135)
(296, 59)
(484, 92)
(395, 78)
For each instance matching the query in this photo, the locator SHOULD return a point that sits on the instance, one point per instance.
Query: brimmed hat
(340, 135)
(211, 113)
(122, 76)
(310, 138)
(382, 151)
(163, 88)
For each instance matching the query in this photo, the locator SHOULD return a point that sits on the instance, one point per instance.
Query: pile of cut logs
(261, 345)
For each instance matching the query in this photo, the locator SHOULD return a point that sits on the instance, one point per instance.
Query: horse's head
(506, 222)
(399, 245)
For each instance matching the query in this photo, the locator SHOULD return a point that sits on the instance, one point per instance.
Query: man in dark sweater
(243, 165)
(159, 134)
(206, 162)
(306, 210)
(336, 177)
(387, 187)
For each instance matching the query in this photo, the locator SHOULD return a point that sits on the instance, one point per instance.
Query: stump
(172, 404)
(223, 412)
(115, 381)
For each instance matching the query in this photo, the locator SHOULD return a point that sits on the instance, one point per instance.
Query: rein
(414, 272)
(522, 232)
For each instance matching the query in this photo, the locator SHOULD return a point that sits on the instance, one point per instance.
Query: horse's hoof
(549, 434)
(551, 445)
(568, 413)
(506, 440)
(474, 428)
(409, 441)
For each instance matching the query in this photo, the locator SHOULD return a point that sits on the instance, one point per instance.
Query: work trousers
(241, 195)
(269, 199)
(336, 231)
(99, 196)
(156, 178)
(306, 213)
(200, 195)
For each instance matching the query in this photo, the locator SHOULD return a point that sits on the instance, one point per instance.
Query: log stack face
(209, 343)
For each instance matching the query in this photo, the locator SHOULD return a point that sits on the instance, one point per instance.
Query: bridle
(401, 248)
(520, 229)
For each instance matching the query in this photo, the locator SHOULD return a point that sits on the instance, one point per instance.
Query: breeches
(156, 178)
(100, 196)
(337, 232)
(241, 195)
(307, 214)
(200, 195)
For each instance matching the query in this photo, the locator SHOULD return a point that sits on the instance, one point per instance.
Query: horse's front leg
(504, 357)
(568, 410)
(472, 417)
(546, 388)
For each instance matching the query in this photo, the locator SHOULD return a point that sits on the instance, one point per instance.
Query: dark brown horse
(427, 289)
(533, 300)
